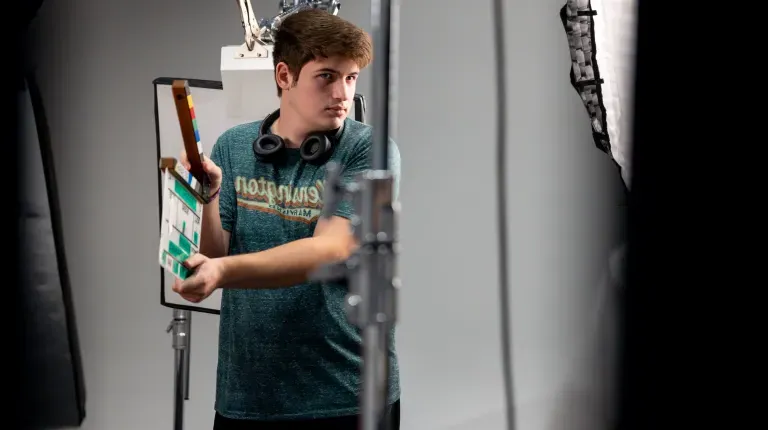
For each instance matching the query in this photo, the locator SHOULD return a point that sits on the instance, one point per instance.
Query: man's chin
(333, 123)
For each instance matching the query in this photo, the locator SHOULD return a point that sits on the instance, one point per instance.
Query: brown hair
(314, 34)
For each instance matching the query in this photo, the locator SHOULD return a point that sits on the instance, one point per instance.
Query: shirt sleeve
(227, 198)
(359, 163)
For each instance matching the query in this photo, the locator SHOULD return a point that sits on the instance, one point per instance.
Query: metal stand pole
(371, 276)
(372, 296)
(373, 293)
(181, 325)
(371, 271)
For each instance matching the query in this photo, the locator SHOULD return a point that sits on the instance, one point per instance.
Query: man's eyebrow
(329, 70)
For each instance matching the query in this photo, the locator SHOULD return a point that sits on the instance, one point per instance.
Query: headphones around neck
(314, 149)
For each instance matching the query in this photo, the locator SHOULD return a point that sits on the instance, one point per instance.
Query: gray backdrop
(564, 194)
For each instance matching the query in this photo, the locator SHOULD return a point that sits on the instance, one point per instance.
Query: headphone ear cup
(315, 147)
(267, 145)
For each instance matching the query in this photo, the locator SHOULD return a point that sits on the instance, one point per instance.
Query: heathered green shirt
(287, 353)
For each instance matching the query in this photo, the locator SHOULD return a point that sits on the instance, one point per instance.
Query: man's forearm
(212, 234)
(282, 266)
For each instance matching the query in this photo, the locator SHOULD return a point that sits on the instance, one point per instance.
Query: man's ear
(283, 76)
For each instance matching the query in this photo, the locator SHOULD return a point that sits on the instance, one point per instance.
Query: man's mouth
(337, 111)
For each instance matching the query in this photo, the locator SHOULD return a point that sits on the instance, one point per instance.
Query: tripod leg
(375, 378)
(180, 327)
(188, 352)
(178, 390)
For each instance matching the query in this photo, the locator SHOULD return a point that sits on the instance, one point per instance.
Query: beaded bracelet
(213, 196)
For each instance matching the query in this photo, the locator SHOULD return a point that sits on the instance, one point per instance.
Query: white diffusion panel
(209, 104)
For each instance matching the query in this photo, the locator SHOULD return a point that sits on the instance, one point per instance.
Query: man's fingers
(212, 170)
(185, 287)
(195, 260)
(191, 285)
(188, 289)
(183, 160)
(194, 298)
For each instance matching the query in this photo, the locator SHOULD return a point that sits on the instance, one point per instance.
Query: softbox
(51, 391)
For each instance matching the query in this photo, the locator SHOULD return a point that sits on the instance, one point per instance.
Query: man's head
(317, 58)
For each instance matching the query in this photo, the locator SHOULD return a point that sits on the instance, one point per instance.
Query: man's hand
(213, 171)
(206, 278)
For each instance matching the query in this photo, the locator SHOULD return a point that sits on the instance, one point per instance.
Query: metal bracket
(258, 50)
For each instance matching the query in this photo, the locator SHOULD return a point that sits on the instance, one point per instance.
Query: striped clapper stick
(181, 220)
(190, 134)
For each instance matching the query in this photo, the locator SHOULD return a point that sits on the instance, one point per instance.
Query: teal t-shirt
(287, 353)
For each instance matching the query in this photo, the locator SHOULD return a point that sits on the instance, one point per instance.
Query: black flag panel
(50, 385)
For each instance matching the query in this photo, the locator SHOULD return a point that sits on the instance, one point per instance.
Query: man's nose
(342, 91)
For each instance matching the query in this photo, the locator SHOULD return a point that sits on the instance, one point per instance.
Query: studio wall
(564, 196)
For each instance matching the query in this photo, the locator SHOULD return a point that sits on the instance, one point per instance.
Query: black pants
(351, 422)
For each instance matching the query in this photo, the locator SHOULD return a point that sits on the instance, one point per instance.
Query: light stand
(181, 325)
(371, 275)
(371, 271)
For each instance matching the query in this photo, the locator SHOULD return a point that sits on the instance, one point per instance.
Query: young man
(288, 356)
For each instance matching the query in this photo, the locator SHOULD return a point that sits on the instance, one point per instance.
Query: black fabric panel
(52, 352)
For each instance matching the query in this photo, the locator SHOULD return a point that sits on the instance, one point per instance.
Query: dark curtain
(50, 389)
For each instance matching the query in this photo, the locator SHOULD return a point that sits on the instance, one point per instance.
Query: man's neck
(288, 126)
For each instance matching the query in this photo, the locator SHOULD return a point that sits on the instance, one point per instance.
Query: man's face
(324, 93)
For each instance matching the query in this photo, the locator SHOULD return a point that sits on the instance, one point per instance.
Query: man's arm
(290, 264)
(214, 240)
(218, 215)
